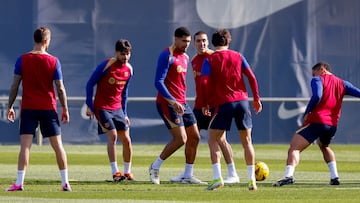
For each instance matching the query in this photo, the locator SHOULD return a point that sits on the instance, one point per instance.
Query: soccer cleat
(232, 180)
(154, 175)
(215, 184)
(66, 187)
(15, 187)
(117, 177)
(285, 181)
(193, 180)
(335, 181)
(177, 179)
(128, 176)
(252, 185)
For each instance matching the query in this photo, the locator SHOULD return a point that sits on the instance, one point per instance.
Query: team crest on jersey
(180, 69)
(111, 81)
(126, 74)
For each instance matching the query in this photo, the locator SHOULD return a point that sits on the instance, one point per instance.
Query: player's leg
(127, 153)
(214, 137)
(23, 162)
(328, 154)
(112, 154)
(28, 124)
(50, 127)
(249, 154)
(61, 160)
(243, 121)
(175, 124)
(227, 152)
(297, 145)
(122, 123)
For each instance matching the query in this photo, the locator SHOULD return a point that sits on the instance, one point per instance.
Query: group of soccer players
(221, 96)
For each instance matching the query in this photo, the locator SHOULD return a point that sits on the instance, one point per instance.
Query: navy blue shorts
(48, 120)
(111, 119)
(238, 110)
(172, 119)
(313, 131)
(202, 120)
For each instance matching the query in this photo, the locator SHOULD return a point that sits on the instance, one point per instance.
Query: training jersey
(112, 84)
(196, 63)
(223, 76)
(38, 72)
(325, 104)
(170, 77)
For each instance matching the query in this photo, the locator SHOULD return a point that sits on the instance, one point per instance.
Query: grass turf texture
(89, 171)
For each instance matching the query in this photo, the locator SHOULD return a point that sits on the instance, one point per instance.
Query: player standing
(201, 44)
(222, 80)
(38, 71)
(112, 78)
(320, 121)
(170, 81)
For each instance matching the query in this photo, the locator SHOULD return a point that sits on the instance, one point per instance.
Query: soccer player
(222, 80)
(170, 81)
(320, 121)
(112, 77)
(39, 71)
(201, 44)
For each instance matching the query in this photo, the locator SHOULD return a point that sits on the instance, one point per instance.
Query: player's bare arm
(65, 118)
(12, 97)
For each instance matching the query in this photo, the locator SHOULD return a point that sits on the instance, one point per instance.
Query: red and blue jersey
(170, 77)
(197, 62)
(325, 103)
(223, 75)
(112, 84)
(38, 72)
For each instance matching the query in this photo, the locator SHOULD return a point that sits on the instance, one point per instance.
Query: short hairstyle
(199, 33)
(181, 32)
(41, 34)
(323, 64)
(122, 45)
(221, 37)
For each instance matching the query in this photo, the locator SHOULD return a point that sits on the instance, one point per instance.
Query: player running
(320, 121)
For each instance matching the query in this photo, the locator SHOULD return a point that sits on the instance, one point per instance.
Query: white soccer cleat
(154, 175)
(232, 180)
(177, 179)
(193, 180)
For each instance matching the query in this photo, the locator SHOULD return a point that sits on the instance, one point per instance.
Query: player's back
(37, 71)
(226, 77)
(329, 107)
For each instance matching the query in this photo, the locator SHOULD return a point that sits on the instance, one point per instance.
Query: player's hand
(206, 111)
(127, 120)
(65, 117)
(257, 106)
(11, 115)
(90, 113)
(179, 109)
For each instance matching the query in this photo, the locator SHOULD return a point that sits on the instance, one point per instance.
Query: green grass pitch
(89, 172)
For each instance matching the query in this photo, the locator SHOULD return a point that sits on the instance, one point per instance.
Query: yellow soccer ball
(261, 171)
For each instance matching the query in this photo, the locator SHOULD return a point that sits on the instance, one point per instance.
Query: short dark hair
(181, 32)
(199, 33)
(221, 37)
(322, 63)
(122, 45)
(41, 33)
